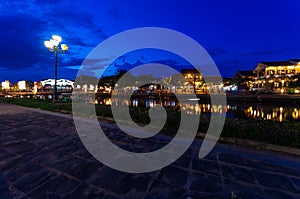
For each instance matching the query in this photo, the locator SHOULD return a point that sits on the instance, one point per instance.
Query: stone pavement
(41, 156)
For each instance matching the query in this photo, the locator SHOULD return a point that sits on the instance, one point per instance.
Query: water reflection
(256, 111)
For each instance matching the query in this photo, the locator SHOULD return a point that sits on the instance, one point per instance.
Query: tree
(294, 84)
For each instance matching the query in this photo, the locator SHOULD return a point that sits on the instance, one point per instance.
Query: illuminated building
(63, 85)
(6, 85)
(195, 79)
(24, 85)
(275, 76)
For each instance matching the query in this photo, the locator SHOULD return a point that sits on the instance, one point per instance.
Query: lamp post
(53, 46)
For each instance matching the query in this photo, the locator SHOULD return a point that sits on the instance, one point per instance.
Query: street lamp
(53, 46)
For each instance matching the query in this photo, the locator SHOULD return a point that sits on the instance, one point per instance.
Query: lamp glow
(48, 44)
(64, 47)
(54, 42)
(57, 38)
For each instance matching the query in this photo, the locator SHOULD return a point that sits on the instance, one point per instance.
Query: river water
(271, 111)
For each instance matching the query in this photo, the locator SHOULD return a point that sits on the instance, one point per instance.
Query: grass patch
(63, 107)
(285, 133)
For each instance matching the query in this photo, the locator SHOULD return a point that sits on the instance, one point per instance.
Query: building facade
(275, 76)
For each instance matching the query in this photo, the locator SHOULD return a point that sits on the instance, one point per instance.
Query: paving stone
(196, 195)
(85, 191)
(5, 194)
(22, 148)
(211, 156)
(245, 191)
(85, 169)
(21, 169)
(206, 166)
(34, 180)
(183, 161)
(4, 155)
(5, 164)
(57, 188)
(273, 180)
(83, 153)
(207, 184)
(231, 159)
(238, 174)
(291, 172)
(275, 194)
(296, 182)
(132, 185)
(262, 165)
(106, 177)
(161, 190)
(4, 191)
(174, 176)
(66, 164)
(111, 197)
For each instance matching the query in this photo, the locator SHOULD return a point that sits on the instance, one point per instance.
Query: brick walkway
(41, 156)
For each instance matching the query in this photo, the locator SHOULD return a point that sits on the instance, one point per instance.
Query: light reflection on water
(272, 112)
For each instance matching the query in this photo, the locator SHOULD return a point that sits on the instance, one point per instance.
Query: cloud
(20, 40)
(24, 27)
(217, 51)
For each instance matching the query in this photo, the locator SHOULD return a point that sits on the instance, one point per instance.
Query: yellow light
(64, 47)
(57, 38)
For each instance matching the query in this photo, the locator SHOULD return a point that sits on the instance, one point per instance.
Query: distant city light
(5, 85)
(22, 85)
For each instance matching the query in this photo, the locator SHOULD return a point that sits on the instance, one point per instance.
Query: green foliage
(64, 107)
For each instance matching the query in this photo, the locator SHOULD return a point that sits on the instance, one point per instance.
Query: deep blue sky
(237, 34)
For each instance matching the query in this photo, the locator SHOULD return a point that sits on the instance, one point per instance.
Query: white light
(6, 85)
(56, 38)
(22, 85)
(54, 42)
(48, 44)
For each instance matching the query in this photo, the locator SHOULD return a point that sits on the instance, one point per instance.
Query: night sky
(237, 34)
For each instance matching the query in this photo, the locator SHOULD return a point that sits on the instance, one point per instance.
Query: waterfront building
(194, 81)
(193, 77)
(275, 76)
(63, 85)
(6, 85)
(24, 85)
(243, 80)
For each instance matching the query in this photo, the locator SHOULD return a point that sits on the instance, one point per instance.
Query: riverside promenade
(41, 156)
